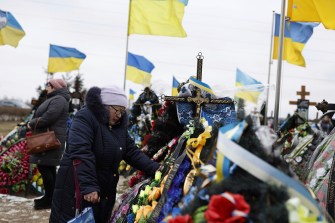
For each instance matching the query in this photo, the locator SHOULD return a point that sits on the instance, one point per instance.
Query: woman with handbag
(51, 115)
(98, 140)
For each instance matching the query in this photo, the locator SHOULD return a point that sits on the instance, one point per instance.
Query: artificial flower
(175, 192)
(4, 190)
(298, 213)
(154, 194)
(130, 218)
(14, 167)
(227, 208)
(199, 215)
(181, 219)
(135, 179)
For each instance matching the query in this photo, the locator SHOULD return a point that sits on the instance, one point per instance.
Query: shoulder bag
(41, 142)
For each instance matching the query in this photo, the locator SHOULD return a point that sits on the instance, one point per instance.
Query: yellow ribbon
(197, 143)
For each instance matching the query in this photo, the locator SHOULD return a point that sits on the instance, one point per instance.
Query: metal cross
(200, 59)
(198, 100)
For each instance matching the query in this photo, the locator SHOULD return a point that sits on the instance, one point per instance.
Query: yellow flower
(40, 181)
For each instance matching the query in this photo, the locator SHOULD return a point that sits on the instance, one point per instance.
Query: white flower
(320, 173)
(312, 183)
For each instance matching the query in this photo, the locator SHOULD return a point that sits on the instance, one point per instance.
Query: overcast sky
(230, 35)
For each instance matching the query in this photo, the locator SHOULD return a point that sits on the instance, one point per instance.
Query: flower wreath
(14, 168)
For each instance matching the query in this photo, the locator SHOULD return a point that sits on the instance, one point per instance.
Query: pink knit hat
(58, 83)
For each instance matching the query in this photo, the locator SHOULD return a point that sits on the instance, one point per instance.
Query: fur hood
(94, 103)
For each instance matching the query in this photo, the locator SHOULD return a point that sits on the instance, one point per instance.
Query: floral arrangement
(125, 201)
(139, 207)
(223, 208)
(298, 213)
(162, 154)
(14, 168)
(190, 164)
(295, 134)
(175, 192)
(37, 180)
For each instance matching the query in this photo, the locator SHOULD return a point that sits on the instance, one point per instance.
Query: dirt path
(20, 210)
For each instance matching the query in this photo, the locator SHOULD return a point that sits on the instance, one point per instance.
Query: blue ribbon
(265, 172)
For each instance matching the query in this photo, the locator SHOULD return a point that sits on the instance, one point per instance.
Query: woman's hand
(92, 197)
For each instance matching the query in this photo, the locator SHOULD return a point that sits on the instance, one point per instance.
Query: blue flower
(130, 218)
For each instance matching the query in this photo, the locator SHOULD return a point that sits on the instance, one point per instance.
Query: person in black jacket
(98, 140)
(51, 114)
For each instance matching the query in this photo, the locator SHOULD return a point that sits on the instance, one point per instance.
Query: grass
(6, 127)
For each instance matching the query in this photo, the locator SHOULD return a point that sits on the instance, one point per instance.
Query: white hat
(113, 95)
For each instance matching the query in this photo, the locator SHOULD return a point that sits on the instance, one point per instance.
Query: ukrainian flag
(243, 79)
(312, 11)
(175, 85)
(139, 69)
(10, 30)
(203, 86)
(157, 17)
(296, 35)
(63, 59)
(131, 94)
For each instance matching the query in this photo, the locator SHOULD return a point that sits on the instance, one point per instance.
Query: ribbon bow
(197, 143)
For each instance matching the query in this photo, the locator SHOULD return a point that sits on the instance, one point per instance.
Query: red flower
(4, 190)
(145, 139)
(134, 179)
(227, 208)
(181, 219)
(163, 108)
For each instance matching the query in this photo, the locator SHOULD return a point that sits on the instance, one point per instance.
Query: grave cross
(198, 99)
(200, 58)
(302, 94)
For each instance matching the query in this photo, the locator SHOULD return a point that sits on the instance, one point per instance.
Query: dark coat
(99, 149)
(52, 114)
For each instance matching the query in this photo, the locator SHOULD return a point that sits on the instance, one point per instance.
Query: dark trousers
(49, 178)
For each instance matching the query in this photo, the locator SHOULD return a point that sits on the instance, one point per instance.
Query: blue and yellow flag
(312, 11)
(296, 35)
(157, 17)
(10, 30)
(139, 69)
(175, 85)
(64, 59)
(202, 85)
(251, 94)
(131, 94)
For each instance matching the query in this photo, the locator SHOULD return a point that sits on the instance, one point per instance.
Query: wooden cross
(198, 99)
(302, 94)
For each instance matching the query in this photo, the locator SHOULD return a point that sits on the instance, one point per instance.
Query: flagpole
(126, 62)
(269, 71)
(280, 60)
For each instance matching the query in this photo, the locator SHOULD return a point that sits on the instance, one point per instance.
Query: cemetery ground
(6, 127)
(19, 209)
